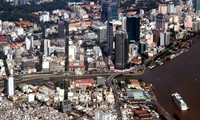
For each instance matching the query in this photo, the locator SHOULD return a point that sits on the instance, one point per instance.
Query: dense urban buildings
(80, 59)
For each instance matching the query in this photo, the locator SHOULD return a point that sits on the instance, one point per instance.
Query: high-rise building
(143, 46)
(133, 28)
(121, 49)
(67, 54)
(47, 47)
(61, 29)
(160, 21)
(9, 86)
(164, 38)
(29, 42)
(101, 34)
(109, 38)
(109, 9)
(170, 8)
(197, 5)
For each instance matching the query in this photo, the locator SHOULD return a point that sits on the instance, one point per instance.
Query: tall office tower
(101, 34)
(9, 86)
(46, 47)
(143, 46)
(109, 38)
(106, 6)
(170, 8)
(160, 21)
(67, 54)
(133, 28)
(123, 18)
(121, 49)
(61, 30)
(164, 38)
(197, 5)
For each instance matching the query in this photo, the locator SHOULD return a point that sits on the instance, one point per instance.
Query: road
(112, 83)
(49, 77)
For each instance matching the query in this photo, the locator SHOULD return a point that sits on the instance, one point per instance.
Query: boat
(179, 101)
(152, 66)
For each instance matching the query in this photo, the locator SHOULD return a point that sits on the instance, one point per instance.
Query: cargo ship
(179, 101)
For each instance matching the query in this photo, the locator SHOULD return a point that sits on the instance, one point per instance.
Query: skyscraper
(170, 8)
(101, 34)
(9, 86)
(61, 31)
(46, 47)
(133, 28)
(106, 13)
(121, 50)
(67, 54)
(109, 38)
(197, 5)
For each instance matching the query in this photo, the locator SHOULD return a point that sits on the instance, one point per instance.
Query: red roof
(3, 39)
(84, 82)
(137, 61)
(134, 81)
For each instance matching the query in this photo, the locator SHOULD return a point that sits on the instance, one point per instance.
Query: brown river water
(182, 74)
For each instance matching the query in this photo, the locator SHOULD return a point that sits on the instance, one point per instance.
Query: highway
(49, 77)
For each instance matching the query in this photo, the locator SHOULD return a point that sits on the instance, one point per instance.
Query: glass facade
(197, 5)
(105, 14)
(133, 28)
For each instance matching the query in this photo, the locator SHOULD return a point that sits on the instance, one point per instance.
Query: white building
(170, 8)
(45, 17)
(133, 50)
(65, 15)
(10, 86)
(45, 65)
(29, 42)
(102, 115)
(72, 52)
(20, 31)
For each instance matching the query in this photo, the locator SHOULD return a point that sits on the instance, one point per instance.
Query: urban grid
(80, 59)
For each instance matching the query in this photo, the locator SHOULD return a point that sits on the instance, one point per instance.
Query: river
(182, 74)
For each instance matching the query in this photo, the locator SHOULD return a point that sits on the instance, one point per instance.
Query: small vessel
(179, 101)
(151, 66)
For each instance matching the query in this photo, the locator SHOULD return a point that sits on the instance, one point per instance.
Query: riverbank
(178, 75)
(160, 109)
